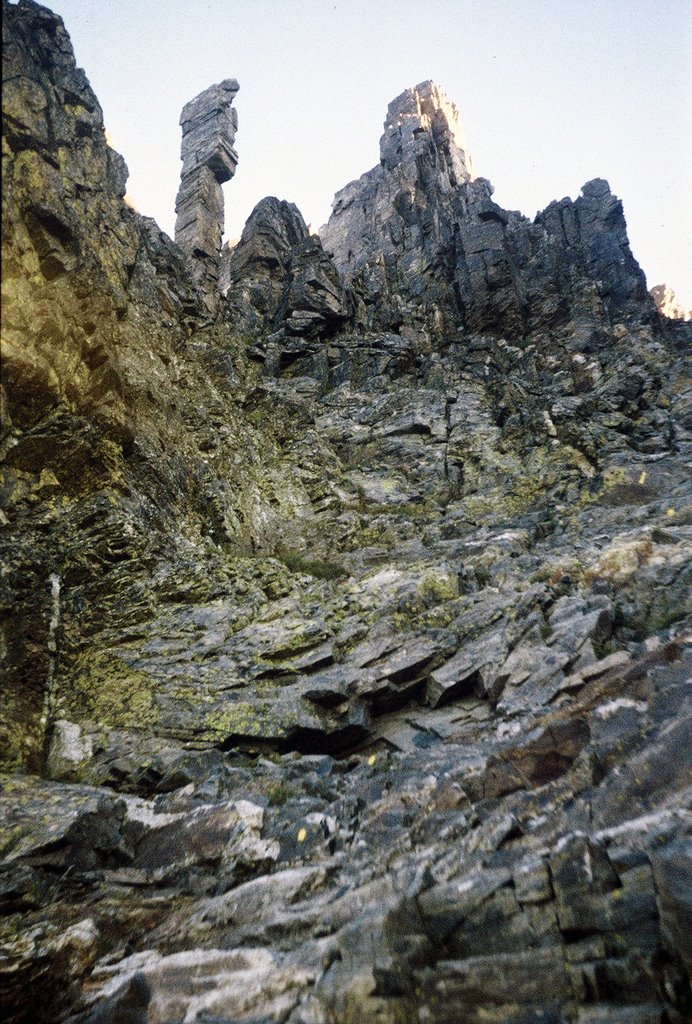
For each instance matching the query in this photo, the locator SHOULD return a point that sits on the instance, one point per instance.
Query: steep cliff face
(344, 636)
(123, 436)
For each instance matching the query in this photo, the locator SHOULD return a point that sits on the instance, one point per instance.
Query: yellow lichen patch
(436, 588)
(622, 559)
(240, 719)
(104, 688)
(552, 572)
(302, 835)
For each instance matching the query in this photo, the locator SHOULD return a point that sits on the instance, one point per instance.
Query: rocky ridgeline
(345, 664)
(422, 244)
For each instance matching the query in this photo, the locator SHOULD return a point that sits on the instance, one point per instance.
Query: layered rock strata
(209, 124)
(345, 671)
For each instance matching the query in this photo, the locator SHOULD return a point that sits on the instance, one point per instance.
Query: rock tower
(209, 124)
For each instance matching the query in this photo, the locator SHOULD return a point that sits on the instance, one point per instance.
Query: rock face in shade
(209, 124)
(422, 244)
(279, 275)
(384, 224)
(345, 672)
(668, 304)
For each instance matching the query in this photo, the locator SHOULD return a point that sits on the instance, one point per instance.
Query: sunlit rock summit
(345, 646)
(422, 243)
(668, 303)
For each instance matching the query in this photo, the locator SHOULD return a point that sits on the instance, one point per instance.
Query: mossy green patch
(320, 568)
(240, 719)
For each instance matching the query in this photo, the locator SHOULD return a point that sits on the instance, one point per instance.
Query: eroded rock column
(209, 124)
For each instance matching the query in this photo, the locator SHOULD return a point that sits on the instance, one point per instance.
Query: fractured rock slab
(209, 124)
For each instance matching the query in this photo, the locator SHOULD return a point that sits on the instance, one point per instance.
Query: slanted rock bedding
(345, 637)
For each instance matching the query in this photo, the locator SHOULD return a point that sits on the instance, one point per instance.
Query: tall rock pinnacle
(381, 222)
(421, 118)
(421, 245)
(209, 124)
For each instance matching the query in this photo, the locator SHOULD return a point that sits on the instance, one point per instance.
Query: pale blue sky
(551, 94)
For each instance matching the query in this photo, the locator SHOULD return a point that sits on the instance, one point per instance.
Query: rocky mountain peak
(668, 303)
(421, 117)
(419, 242)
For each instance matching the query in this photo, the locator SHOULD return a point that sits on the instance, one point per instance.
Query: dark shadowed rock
(278, 275)
(126, 1006)
(421, 243)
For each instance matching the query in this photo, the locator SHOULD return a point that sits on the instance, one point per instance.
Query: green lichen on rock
(105, 689)
(240, 720)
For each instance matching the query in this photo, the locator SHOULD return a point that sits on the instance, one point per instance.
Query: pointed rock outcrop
(279, 275)
(421, 243)
(668, 304)
(209, 124)
(383, 224)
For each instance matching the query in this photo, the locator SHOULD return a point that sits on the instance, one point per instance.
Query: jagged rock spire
(422, 247)
(393, 210)
(668, 304)
(209, 124)
(278, 274)
(419, 116)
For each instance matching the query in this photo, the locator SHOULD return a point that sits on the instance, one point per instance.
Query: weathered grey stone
(473, 669)
(128, 1005)
(532, 883)
(279, 276)
(60, 827)
(396, 227)
(508, 980)
(671, 867)
(209, 124)
(209, 981)
(443, 907)
(605, 1014)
